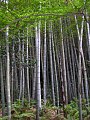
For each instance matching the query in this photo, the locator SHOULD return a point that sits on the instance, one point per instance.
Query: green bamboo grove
(44, 54)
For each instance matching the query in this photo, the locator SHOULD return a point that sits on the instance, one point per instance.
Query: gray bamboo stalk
(83, 60)
(31, 54)
(80, 35)
(73, 44)
(28, 90)
(12, 77)
(34, 73)
(64, 66)
(57, 59)
(88, 31)
(48, 82)
(83, 93)
(45, 48)
(23, 76)
(51, 64)
(38, 85)
(55, 67)
(68, 74)
(38, 65)
(42, 60)
(34, 83)
(72, 61)
(71, 72)
(73, 69)
(62, 83)
(80, 81)
(20, 68)
(16, 77)
(8, 75)
(86, 80)
(2, 90)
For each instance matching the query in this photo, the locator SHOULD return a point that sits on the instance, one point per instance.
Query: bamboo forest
(44, 59)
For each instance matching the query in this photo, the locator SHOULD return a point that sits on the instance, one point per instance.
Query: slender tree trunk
(64, 67)
(88, 31)
(68, 74)
(12, 77)
(44, 86)
(23, 76)
(62, 85)
(38, 85)
(34, 74)
(34, 83)
(80, 35)
(51, 64)
(20, 68)
(82, 56)
(73, 67)
(28, 89)
(16, 78)
(83, 94)
(71, 73)
(2, 90)
(55, 67)
(85, 78)
(8, 75)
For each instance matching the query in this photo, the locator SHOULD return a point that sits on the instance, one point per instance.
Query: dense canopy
(23, 11)
(45, 59)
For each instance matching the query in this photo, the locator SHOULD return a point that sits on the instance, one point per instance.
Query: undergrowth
(72, 111)
(48, 111)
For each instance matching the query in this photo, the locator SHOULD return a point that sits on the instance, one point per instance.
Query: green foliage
(84, 113)
(49, 103)
(4, 118)
(20, 112)
(48, 111)
(24, 116)
(76, 115)
(19, 12)
(72, 110)
(17, 105)
(23, 112)
(32, 103)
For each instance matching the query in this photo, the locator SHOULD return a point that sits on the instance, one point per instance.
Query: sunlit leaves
(27, 10)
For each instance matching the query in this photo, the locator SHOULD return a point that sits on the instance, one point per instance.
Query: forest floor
(54, 116)
(48, 112)
(30, 114)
